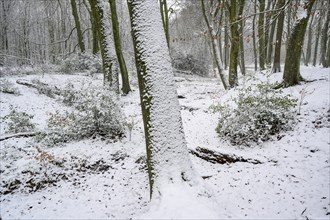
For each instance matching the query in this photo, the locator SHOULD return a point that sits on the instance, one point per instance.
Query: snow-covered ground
(102, 179)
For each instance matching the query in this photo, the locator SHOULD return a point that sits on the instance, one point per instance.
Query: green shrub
(259, 113)
(18, 121)
(95, 113)
(81, 62)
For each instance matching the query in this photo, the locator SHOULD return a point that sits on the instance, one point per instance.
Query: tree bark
(164, 15)
(291, 75)
(278, 42)
(234, 48)
(167, 154)
(215, 46)
(78, 27)
(261, 35)
(309, 41)
(317, 38)
(241, 36)
(121, 60)
(109, 60)
(255, 52)
(324, 39)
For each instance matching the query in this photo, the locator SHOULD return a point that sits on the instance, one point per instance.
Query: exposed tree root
(220, 158)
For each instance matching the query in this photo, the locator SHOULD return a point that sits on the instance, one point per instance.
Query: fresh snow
(292, 183)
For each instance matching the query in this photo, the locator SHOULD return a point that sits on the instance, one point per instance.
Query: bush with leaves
(260, 113)
(8, 87)
(95, 113)
(82, 62)
(18, 121)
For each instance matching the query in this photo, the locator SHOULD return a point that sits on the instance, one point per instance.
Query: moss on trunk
(291, 75)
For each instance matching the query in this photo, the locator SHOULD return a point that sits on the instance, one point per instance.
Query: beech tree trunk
(215, 46)
(261, 35)
(167, 154)
(291, 75)
(109, 60)
(241, 36)
(317, 38)
(121, 60)
(78, 27)
(324, 38)
(255, 52)
(278, 41)
(234, 48)
(164, 15)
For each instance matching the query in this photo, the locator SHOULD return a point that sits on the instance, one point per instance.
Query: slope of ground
(105, 179)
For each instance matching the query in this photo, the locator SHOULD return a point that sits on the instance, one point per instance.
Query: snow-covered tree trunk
(109, 59)
(167, 154)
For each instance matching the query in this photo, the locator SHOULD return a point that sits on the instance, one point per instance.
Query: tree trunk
(327, 60)
(270, 38)
(317, 38)
(164, 15)
(291, 75)
(215, 46)
(95, 40)
(233, 81)
(167, 154)
(261, 35)
(121, 60)
(309, 42)
(241, 36)
(278, 42)
(255, 52)
(324, 39)
(78, 27)
(268, 16)
(110, 68)
(226, 41)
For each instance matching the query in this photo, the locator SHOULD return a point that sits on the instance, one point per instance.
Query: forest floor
(104, 179)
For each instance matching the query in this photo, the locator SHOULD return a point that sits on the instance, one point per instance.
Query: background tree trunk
(110, 68)
(78, 27)
(325, 38)
(278, 42)
(121, 60)
(255, 51)
(164, 15)
(291, 75)
(309, 41)
(261, 35)
(317, 38)
(241, 35)
(233, 80)
(215, 46)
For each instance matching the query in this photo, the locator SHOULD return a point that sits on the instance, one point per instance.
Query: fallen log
(23, 134)
(220, 158)
(42, 88)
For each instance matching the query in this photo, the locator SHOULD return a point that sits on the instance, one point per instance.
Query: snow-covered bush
(81, 62)
(18, 121)
(95, 113)
(189, 64)
(9, 87)
(260, 113)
